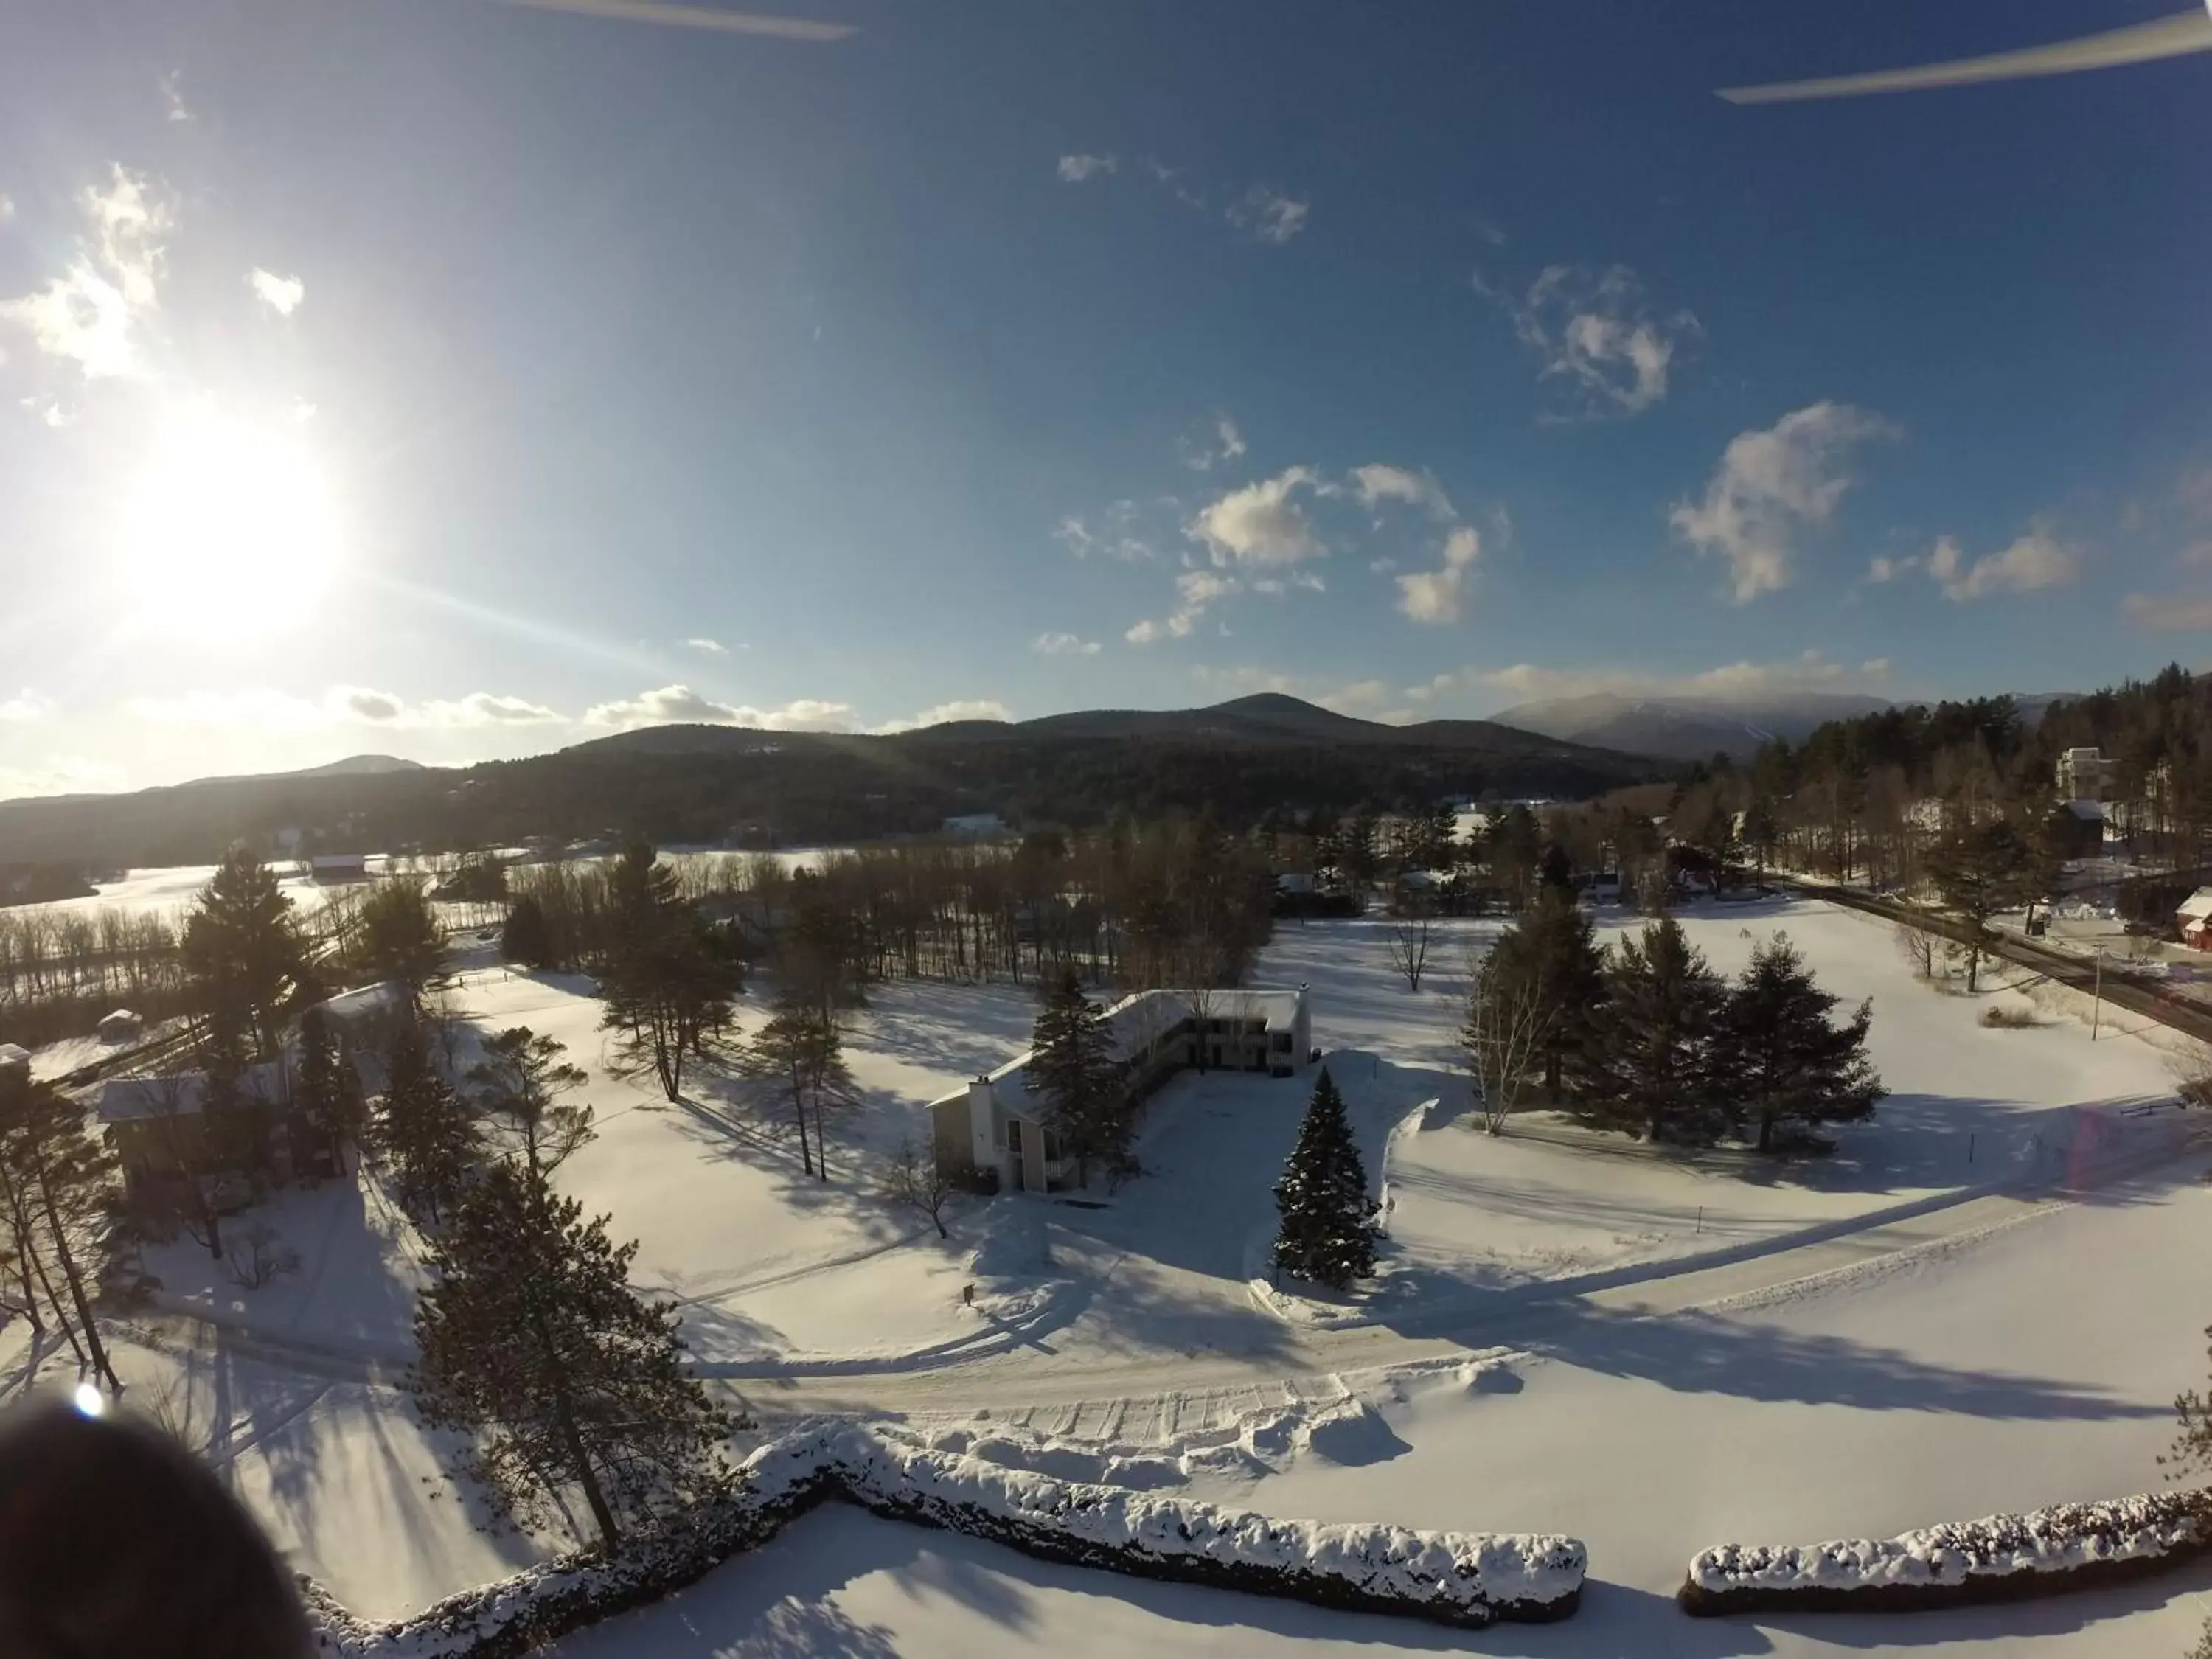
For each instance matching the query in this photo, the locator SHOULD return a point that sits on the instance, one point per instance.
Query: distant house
(995, 1123)
(163, 1126)
(1296, 882)
(120, 1026)
(2084, 775)
(336, 869)
(2194, 919)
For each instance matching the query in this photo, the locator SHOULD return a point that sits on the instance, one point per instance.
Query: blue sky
(460, 378)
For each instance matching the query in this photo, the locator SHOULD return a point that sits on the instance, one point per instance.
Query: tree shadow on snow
(2058, 1616)
(1695, 1352)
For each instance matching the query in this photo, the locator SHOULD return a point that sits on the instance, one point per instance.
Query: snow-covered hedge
(1454, 1578)
(2005, 1558)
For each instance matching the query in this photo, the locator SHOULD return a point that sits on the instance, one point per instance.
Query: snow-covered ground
(1675, 1381)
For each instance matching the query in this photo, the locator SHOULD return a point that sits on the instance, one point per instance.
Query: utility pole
(2097, 996)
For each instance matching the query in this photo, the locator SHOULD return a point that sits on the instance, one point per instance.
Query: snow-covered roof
(180, 1094)
(2197, 907)
(12, 1055)
(1138, 1017)
(369, 1002)
(2087, 809)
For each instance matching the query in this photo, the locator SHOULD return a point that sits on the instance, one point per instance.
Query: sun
(230, 530)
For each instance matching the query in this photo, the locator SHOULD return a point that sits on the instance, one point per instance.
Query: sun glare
(230, 530)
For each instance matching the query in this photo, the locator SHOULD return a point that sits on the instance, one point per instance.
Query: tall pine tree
(1072, 1070)
(1780, 1060)
(325, 1089)
(1648, 1066)
(426, 1129)
(519, 1087)
(1550, 959)
(1328, 1231)
(533, 1342)
(243, 951)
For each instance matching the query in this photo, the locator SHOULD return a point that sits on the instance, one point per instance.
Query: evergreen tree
(531, 1341)
(1781, 1060)
(1649, 1064)
(1328, 1231)
(428, 1131)
(525, 938)
(243, 951)
(798, 1049)
(1550, 959)
(1074, 1072)
(669, 979)
(518, 1084)
(400, 936)
(1980, 871)
(320, 1089)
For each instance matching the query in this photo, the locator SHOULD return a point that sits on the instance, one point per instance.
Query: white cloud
(2037, 560)
(1262, 523)
(1435, 596)
(1075, 169)
(1360, 696)
(1226, 445)
(282, 295)
(1119, 532)
(1268, 214)
(7, 206)
(1810, 671)
(1882, 568)
(1064, 645)
(978, 708)
(710, 647)
(1375, 483)
(172, 96)
(1597, 338)
(1773, 484)
(679, 705)
(1195, 591)
(263, 710)
(61, 774)
(24, 707)
(2163, 613)
(91, 313)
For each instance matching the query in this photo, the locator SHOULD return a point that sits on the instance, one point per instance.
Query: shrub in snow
(2005, 1558)
(1455, 1578)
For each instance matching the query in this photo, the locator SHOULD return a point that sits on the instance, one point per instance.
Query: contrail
(700, 17)
(2140, 43)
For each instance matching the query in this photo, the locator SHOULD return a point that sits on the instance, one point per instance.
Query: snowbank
(1467, 1579)
(2005, 1558)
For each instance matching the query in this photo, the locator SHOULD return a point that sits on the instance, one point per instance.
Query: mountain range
(714, 783)
(1688, 727)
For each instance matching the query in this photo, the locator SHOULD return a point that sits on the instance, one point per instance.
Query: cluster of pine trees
(1644, 1037)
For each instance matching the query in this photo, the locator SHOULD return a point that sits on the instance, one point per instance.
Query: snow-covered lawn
(1969, 1107)
(774, 1267)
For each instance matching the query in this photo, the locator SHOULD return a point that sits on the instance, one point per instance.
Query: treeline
(1178, 902)
(61, 971)
(1867, 798)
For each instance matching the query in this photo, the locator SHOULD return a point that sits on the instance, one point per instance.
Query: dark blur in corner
(116, 1543)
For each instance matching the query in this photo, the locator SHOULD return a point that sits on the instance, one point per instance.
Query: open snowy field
(1969, 1107)
(1997, 1373)
(1674, 1381)
(774, 1267)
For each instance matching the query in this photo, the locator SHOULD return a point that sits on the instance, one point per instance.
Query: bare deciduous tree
(1920, 948)
(1408, 942)
(1506, 1022)
(919, 1183)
